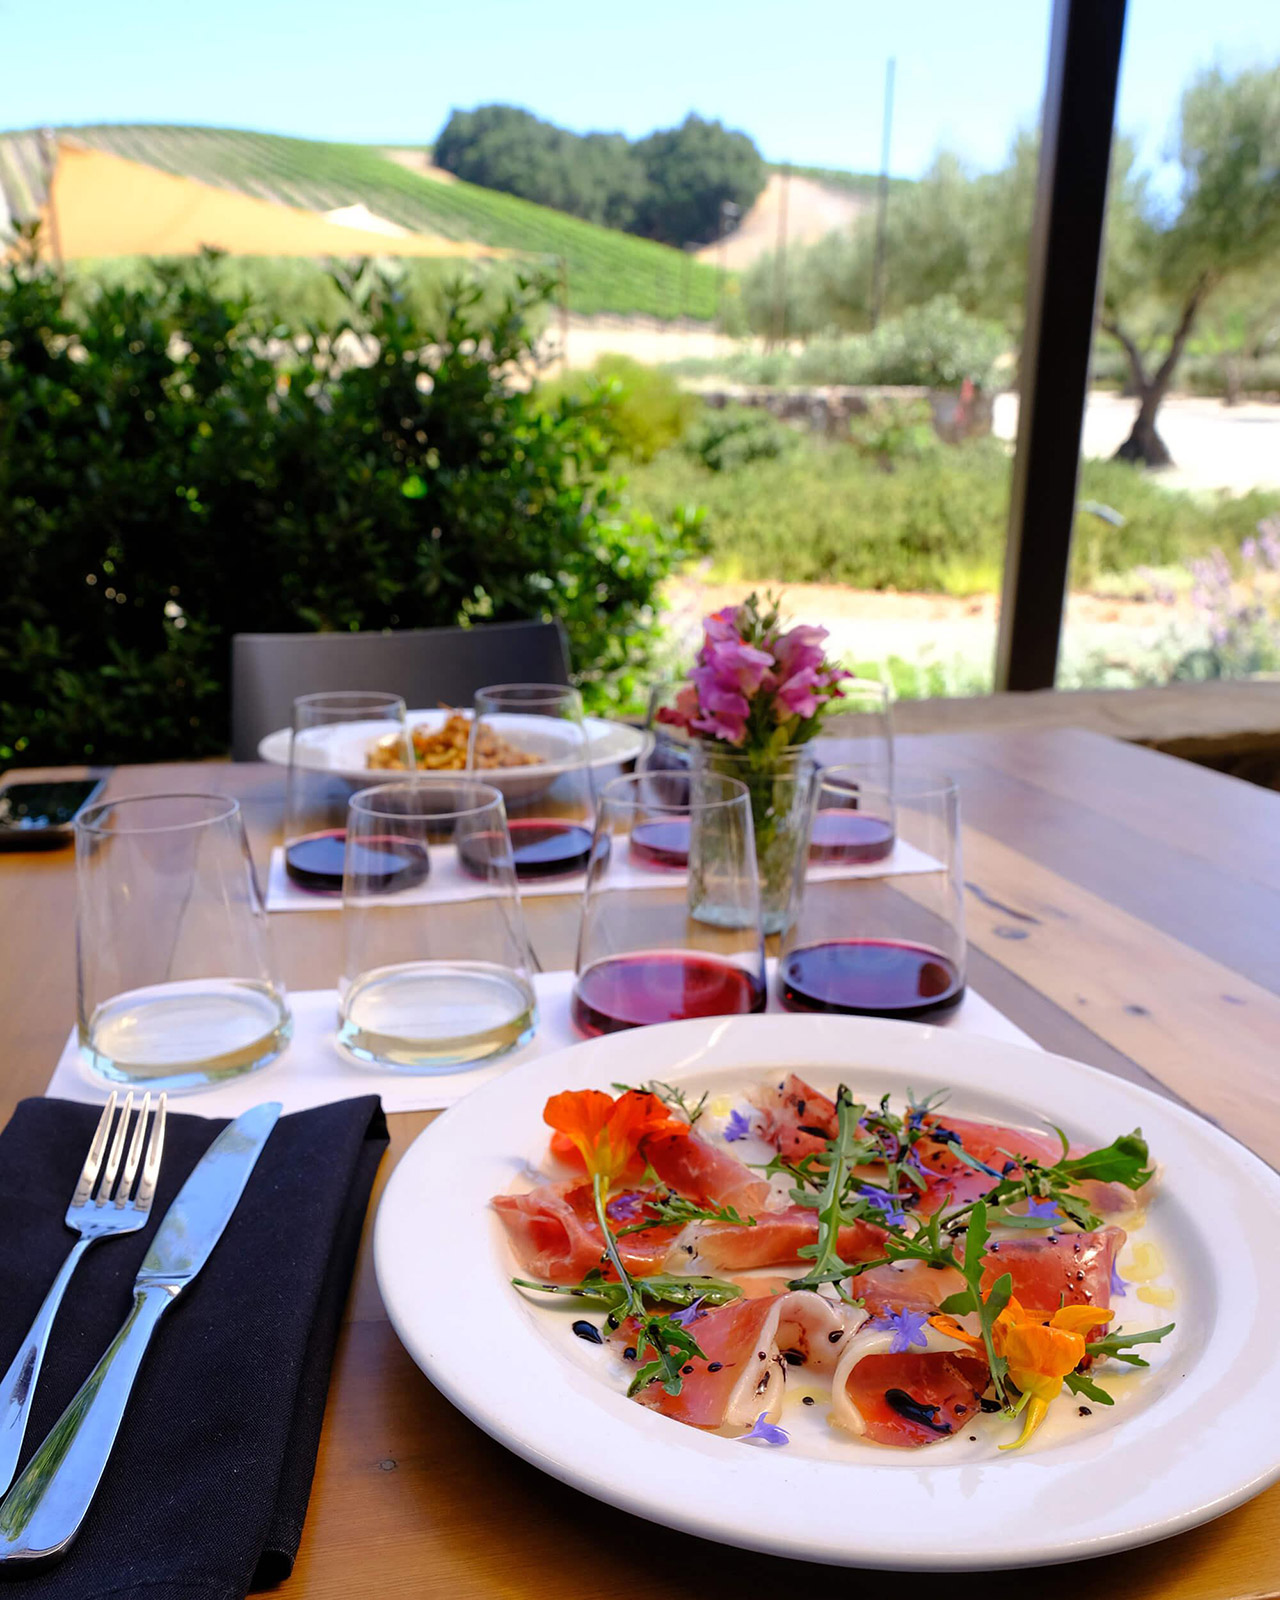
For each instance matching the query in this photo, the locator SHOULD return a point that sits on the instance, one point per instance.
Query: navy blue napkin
(207, 1487)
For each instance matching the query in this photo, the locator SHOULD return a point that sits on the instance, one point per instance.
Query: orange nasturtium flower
(604, 1131)
(1041, 1349)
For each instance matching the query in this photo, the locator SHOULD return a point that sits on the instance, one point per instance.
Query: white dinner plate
(1188, 1439)
(343, 750)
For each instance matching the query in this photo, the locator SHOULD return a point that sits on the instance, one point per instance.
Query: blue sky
(804, 77)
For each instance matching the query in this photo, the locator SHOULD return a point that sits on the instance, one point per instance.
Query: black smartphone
(37, 815)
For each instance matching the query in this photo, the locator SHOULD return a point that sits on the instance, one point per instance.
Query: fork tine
(125, 1187)
(151, 1163)
(93, 1161)
(114, 1154)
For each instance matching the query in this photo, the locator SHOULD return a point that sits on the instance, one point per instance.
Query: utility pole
(780, 261)
(882, 206)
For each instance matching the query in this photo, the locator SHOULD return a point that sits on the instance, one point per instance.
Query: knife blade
(43, 1511)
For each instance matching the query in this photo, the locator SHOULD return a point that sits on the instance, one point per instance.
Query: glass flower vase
(779, 785)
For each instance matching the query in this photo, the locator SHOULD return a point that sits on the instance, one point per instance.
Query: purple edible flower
(690, 1313)
(1043, 1210)
(765, 1433)
(738, 1126)
(885, 1203)
(626, 1208)
(908, 1329)
(1117, 1282)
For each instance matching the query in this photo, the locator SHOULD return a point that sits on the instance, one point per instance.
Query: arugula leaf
(1079, 1384)
(831, 1213)
(673, 1347)
(1112, 1344)
(662, 1289)
(1124, 1161)
(674, 1209)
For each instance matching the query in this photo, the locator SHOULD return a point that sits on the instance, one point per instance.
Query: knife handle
(42, 1513)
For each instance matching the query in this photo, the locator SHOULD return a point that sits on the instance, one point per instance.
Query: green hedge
(827, 514)
(175, 468)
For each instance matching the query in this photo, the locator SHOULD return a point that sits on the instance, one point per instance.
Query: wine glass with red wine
(332, 732)
(888, 946)
(670, 756)
(861, 736)
(538, 729)
(643, 954)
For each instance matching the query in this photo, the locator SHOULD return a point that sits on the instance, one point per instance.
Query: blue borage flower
(908, 1329)
(763, 1432)
(738, 1126)
(1044, 1210)
(1118, 1284)
(691, 1313)
(885, 1203)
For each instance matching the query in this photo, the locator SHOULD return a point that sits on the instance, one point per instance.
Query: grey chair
(428, 666)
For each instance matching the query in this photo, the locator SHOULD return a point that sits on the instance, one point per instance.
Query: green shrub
(166, 483)
(642, 409)
(892, 432)
(826, 515)
(725, 438)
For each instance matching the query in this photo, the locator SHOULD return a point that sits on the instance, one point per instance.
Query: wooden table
(1124, 908)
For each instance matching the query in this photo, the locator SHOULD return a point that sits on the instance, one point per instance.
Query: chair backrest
(428, 666)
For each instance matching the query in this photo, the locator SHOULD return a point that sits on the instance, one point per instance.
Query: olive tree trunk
(1144, 444)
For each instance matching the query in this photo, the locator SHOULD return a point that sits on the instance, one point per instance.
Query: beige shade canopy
(105, 205)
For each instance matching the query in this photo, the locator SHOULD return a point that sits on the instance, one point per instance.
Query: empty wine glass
(860, 734)
(176, 981)
(890, 946)
(644, 955)
(431, 986)
(539, 729)
(334, 734)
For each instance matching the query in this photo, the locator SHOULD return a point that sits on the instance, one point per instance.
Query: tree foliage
(176, 469)
(669, 186)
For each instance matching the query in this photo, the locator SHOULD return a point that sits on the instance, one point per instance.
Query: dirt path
(868, 625)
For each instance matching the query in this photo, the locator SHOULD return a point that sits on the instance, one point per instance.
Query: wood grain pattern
(1140, 928)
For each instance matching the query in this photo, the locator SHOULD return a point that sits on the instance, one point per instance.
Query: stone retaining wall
(827, 409)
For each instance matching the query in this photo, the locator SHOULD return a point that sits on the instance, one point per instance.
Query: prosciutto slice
(746, 1344)
(699, 1171)
(908, 1399)
(905, 1286)
(795, 1119)
(777, 1237)
(555, 1237)
(951, 1181)
(1069, 1269)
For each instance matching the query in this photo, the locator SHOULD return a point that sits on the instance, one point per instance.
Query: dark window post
(1062, 290)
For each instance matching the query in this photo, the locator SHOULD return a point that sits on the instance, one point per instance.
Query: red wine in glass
(663, 842)
(869, 977)
(541, 847)
(849, 837)
(318, 860)
(661, 986)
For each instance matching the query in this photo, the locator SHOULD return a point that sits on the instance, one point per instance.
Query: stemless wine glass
(671, 753)
(336, 734)
(643, 954)
(861, 735)
(538, 729)
(891, 946)
(431, 986)
(176, 984)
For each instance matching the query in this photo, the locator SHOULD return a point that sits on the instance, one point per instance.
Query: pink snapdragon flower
(723, 706)
(799, 650)
(736, 664)
(796, 696)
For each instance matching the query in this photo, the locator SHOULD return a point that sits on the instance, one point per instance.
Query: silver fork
(98, 1210)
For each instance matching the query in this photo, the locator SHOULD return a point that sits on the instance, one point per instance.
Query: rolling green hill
(607, 271)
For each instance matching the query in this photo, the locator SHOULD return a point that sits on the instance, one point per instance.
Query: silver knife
(42, 1513)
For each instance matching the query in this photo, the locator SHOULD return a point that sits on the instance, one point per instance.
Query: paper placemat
(448, 881)
(312, 1071)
